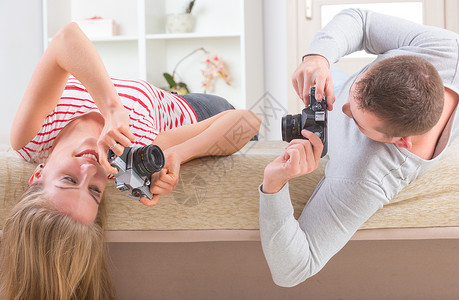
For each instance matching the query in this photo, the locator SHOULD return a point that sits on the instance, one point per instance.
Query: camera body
(135, 167)
(313, 118)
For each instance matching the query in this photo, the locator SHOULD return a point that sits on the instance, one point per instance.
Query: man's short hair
(406, 92)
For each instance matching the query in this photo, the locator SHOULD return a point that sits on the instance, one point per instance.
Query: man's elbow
(286, 273)
(282, 282)
(290, 280)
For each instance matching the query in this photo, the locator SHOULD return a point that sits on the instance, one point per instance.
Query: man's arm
(354, 29)
(296, 250)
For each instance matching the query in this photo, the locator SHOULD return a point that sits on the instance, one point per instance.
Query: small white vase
(179, 23)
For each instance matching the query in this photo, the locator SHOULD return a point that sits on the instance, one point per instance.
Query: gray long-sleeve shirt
(362, 175)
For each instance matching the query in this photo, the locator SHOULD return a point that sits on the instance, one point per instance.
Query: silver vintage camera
(135, 167)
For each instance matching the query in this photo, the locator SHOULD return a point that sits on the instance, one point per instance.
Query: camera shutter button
(316, 106)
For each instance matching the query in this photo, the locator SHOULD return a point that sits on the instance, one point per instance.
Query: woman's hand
(164, 181)
(314, 70)
(300, 157)
(115, 132)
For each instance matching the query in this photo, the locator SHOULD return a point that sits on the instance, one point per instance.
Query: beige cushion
(222, 193)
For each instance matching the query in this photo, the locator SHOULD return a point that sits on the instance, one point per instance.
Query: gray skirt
(206, 105)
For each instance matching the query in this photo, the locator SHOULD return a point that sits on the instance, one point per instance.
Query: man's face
(367, 122)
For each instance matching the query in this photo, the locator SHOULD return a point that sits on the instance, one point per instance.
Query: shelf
(115, 38)
(194, 35)
(143, 48)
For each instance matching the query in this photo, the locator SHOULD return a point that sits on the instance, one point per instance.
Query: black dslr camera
(135, 167)
(312, 118)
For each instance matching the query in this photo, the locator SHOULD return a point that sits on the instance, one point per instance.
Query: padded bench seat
(217, 199)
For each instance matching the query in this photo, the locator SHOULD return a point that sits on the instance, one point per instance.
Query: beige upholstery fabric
(221, 193)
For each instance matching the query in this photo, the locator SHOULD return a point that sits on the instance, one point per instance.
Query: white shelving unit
(143, 49)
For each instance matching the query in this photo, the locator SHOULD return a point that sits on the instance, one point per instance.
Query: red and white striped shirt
(151, 111)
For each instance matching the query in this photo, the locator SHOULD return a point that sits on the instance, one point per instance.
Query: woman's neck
(88, 125)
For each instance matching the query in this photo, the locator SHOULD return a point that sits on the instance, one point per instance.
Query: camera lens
(147, 160)
(291, 127)
(287, 128)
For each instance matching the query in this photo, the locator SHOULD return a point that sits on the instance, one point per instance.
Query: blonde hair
(46, 254)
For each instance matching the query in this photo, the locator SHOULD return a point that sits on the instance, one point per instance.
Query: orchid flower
(214, 67)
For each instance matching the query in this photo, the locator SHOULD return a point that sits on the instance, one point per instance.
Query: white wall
(21, 40)
(275, 63)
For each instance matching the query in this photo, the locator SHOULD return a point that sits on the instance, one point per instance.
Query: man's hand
(314, 70)
(300, 157)
(164, 181)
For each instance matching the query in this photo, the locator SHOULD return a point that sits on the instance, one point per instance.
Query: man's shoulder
(355, 157)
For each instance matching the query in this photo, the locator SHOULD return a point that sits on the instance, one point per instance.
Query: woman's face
(73, 179)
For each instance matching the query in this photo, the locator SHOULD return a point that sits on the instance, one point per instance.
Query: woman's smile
(89, 154)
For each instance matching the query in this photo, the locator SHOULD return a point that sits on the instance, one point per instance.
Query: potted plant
(181, 23)
(214, 68)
